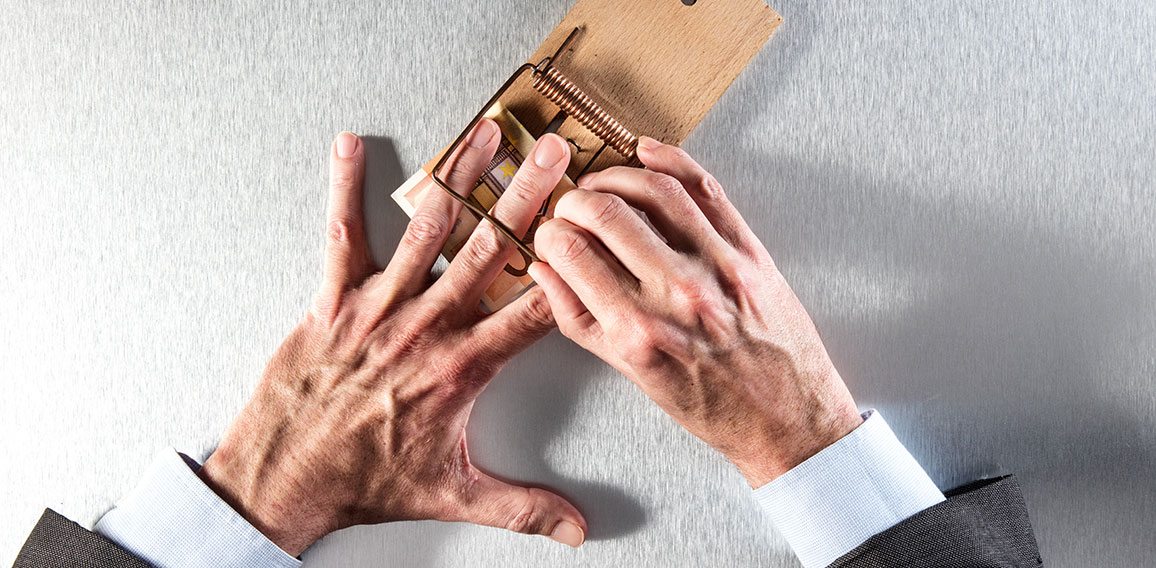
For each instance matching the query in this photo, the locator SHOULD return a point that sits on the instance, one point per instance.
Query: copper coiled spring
(567, 96)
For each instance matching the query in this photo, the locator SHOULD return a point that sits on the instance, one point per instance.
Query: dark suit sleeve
(981, 525)
(57, 542)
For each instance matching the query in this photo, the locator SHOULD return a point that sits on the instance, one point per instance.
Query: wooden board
(657, 66)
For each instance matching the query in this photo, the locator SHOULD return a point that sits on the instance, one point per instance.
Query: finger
(347, 260)
(663, 199)
(487, 251)
(515, 327)
(525, 510)
(594, 275)
(570, 314)
(609, 218)
(409, 269)
(706, 191)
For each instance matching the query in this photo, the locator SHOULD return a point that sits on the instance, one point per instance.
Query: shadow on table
(1020, 348)
(384, 221)
(529, 407)
(994, 337)
(1007, 328)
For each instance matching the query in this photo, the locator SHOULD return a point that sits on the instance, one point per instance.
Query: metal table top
(961, 193)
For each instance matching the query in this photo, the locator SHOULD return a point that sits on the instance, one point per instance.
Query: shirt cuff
(172, 519)
(856, 488)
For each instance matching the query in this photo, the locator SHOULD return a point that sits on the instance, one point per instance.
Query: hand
(360, 416)
(699, 318)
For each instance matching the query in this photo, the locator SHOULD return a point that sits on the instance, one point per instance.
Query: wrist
(793, 441)
(261, 500)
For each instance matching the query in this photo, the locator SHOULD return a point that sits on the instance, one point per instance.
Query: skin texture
(697, 314)
(360, 415)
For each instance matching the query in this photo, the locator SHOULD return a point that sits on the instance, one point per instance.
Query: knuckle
(529, 518)
(525, 188)
(702, 306)
(486, 244)
(344, 177)
(460, 172)
(689, 293)
(740, 275)
(338, 231)
(644, 347)
(538, 312)
(737, 277)
(570, 246)
(426, 228)
(710, 188)
(663, 186)
(643, 359)
(458, 179)
(708, 306)
(521, 522)
(606, 209)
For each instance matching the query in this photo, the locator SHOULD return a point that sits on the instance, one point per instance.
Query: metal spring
(567, 96)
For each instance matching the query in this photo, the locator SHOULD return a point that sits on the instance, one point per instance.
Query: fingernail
(549, 151)
(585, 180)
(482, 134)
(569, 534)
(648, 143)
(346, 144)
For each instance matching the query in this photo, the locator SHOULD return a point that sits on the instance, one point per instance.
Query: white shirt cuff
(856, 488)
(172, 519)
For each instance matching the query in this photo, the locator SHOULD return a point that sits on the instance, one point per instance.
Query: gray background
(961, 193)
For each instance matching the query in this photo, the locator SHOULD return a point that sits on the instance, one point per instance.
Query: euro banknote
(515, 145)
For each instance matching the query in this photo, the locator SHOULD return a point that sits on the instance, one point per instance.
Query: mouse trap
(611, 71)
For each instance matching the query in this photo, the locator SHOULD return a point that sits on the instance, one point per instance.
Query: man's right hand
(699, 317)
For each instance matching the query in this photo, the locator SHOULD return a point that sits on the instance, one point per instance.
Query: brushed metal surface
(961, 192)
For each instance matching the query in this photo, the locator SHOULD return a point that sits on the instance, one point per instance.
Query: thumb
(527, 510)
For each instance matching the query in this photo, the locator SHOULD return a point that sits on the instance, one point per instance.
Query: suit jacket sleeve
(57, 542)
(984, 524)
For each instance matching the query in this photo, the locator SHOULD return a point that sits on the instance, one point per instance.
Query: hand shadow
(385, 222)
(526, 409)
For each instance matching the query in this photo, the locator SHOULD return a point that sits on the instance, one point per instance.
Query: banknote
(515, 145)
